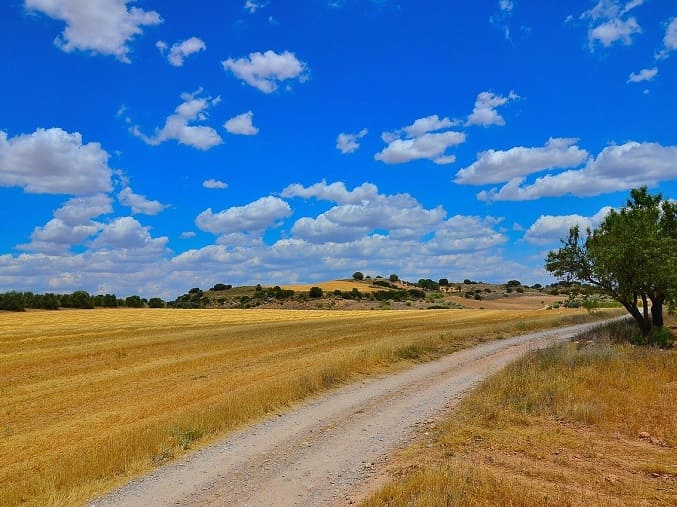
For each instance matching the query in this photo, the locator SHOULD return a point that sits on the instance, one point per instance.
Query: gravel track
(324, 451)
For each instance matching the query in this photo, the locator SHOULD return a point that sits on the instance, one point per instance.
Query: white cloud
(181, 50)
(57, 237)
(253, 217)
(187, 235)
(643, 75)
(461, 234)
(177, 126)
(139, 203)
(506, 5)
(607, 24)
(71, 225)
(79, 210)
(100, 26)
(669, 41)
(498, 166)
(616, 168)
(242, 124)
(428, 124)
(53, 161)
(335, 192)
(214, 184)
(323, 230)
(484, 113)
(550, 229)
(614, 30)
(422, 140)
(252, 6)
(348, 143)
(428, 146)
(128, 233)
(265, 71)
(361, 211)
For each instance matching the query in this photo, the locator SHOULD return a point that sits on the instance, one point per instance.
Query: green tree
(134, 302)
(80, 299)
(316, 292)
(631, 256)
(394, 278)
(156, 303)
(358, 275)
(443, 282)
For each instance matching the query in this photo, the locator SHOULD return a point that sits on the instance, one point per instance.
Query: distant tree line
(19, 301)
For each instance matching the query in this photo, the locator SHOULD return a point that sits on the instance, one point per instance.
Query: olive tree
(631, 256)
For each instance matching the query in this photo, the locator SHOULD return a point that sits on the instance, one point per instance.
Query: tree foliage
(631, 256)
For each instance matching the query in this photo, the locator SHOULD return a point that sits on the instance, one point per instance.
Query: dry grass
(561, 427)
(89, 399)
(332, 285)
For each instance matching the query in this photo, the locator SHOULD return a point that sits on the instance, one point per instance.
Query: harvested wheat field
(332, 285)
(92, 398)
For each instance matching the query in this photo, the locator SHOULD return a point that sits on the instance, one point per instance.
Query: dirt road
(327, 449)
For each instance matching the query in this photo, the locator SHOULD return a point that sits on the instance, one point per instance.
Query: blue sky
(147, 147)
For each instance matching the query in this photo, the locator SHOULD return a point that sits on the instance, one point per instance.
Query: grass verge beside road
(589, 422)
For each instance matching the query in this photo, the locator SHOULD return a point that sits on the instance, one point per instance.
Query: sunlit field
(90, 398)
(586, 423)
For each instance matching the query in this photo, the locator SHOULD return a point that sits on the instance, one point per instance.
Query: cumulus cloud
(462, 234)
(550, 229)
(348, 143)
(253, 217)
(498, 166)
(643, 75)
(72, 225)
(484, 113)
(335, 192)
(57, 237)
(265, 71)
(98, 26)
(421, 140)
(616, 168)
(53, 161)
(128, 233)
(179, 51)
(608, 22)
(177, 126)
(242, 124)
(139, 203)
(361, 211)
(79, 210)
(215, 184)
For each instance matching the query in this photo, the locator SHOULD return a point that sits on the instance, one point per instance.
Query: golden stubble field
(90, 398)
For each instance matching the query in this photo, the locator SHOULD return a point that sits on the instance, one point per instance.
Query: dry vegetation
(584, 423)
(90, 398)
(332, 285)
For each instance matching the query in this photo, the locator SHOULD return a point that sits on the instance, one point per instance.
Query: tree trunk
(657, 312)
(644, 324)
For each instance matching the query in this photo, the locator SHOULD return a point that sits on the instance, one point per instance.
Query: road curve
(324, 448)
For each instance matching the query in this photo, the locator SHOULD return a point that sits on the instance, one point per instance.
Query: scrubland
(591, 422)
(89, 399)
